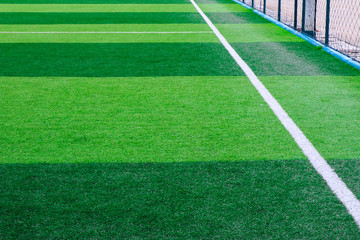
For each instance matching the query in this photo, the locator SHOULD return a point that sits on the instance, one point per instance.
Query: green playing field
(128, 119)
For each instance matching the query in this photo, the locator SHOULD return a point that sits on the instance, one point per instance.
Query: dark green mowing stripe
(206, 200)
(125, 17)
(99, 18)
(291, 59)
(115, 60)
(349, 171)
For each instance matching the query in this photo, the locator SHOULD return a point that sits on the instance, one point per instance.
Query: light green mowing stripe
(105, 28)
(326, 108)
(130, 37)
(150, 119)
(265, 32)
(118, 8)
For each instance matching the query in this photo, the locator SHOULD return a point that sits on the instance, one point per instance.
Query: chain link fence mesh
(343, 20)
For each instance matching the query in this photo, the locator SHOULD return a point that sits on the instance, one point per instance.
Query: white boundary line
(111, 32)
(338, 187)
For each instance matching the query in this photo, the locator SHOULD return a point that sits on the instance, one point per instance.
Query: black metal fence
(335, 23)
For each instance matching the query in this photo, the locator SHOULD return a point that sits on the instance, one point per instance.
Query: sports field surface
(130, 119)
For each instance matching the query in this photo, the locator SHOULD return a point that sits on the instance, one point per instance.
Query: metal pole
(295, 13)
(279, 10)
(309, 17)
(327, 26)
(252, 3)
(264, 6)
(303, 16)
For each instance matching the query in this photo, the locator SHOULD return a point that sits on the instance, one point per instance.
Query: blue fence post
(279, 10)
(295, 13)
(303, 16)
(264, 7)
(252, 3)
(327, 25)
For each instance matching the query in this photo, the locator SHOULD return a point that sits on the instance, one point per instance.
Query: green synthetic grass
(222, 166)
(325, 108)
(349, 171)
(100, 18)
(235, 18)
(127, 17)
(97, 8)
(159, 119)
(106, 28)
(99, 1)
(213, 1)
(108, 38)
(233, 7)
(116, 60)
(267, 32)
(120, 8)
(243, 200)
(291, 59)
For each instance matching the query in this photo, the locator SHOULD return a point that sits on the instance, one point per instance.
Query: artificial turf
(98, 8)
(106, 28)
(126, 17)
(256, 33)
(100, 18)
(211, 200)
(177, 144)
(120, 8)
(349, 171)
(236, 18)
(96, 1)
(107, 38)
(332, 124)
(116, 60)
(158, 119)
(291, 59)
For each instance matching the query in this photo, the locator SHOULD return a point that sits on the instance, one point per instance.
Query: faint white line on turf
(335, 183)
(111, 32)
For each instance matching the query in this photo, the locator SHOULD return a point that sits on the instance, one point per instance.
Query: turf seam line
(109, 32)
(335, 183)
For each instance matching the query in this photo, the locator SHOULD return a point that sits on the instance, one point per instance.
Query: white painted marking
(335, 183)
(112, 32)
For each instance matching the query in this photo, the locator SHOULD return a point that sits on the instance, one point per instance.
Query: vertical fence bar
(279, 10)
(295, 13)
(264, 6)
(252, 3)
(327, 26)
(303, 16)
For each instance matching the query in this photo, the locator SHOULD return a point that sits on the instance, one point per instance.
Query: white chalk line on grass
(111, 32)
(338, 187)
